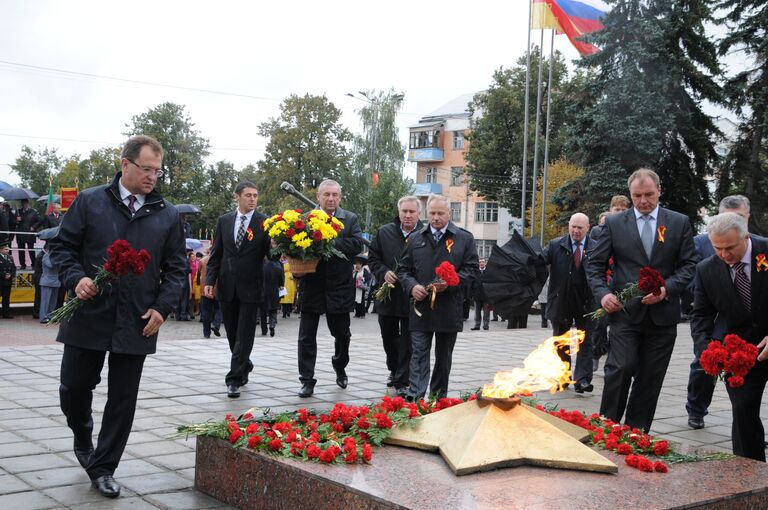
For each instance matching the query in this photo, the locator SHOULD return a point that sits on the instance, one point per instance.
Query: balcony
(424, 189)
(425, 154)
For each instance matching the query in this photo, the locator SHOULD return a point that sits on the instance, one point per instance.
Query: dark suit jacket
(675, 258)
(331, 287)
(238, 272)
(567, 284)
(420, 258)
(716, 297)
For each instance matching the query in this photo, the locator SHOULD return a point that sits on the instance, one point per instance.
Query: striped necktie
(241, 232)
(742, 285)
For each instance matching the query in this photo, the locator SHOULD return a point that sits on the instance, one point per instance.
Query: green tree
(307, 144)
(495, 153)
(375, 181)
(185, 150)
(643, 107)
(37, 168)
(746, 167)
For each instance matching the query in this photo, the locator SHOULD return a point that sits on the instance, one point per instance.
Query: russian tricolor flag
(576, 18)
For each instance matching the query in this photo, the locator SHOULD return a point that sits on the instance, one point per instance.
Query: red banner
(68, 196)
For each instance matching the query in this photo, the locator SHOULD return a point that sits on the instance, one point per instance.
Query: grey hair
(734, 202)
(725, 222)
(409, 198)
(644, 173)
(437, 198)
(328, 182)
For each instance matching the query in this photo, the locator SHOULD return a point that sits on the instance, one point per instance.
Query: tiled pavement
(184, 383)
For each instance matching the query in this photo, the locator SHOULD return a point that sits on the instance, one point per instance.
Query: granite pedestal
(406, 478)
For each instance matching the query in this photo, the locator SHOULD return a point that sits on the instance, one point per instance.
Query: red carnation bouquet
(650, 282)
(446, 277)
(122, 260)
(731, 359)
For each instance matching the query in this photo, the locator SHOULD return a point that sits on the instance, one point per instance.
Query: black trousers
(747, 433)
(422, 346)
(267, 318)
(182, 309)
(338, 324)
(396, 338)
(26, 241)
(701, 386)
(638, 360)
(5, 295)
(210, 314)
(240, 322)
(80, 373)
(583, 371)
(480, 311)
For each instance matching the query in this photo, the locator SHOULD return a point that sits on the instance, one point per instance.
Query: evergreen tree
(746, 166)
(643, 106)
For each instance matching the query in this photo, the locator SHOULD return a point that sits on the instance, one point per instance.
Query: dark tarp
(514, 276)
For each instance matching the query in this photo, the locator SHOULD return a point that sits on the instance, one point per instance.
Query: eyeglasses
(157, 172)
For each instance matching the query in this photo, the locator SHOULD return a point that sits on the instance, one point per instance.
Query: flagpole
(538, 134)
(546, 137)
(525, 123)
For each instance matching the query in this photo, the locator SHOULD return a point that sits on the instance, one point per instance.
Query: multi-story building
(437, 145)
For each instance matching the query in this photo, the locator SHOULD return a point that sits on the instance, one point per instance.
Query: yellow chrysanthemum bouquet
(304, 237)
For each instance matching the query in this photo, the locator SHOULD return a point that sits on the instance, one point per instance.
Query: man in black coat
(235, 267)
(733, 287)
(568, 297)
(27, 220)
(330, 290)
(274, 280)
(643, 338)
(440, 241)
(384, 258)
(123, 318)
(53, 219)
(5, 223)
(7, 274)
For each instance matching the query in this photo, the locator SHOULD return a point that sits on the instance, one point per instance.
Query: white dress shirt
(747, 259)
(640, 221)
(124, 194)
(248, 217)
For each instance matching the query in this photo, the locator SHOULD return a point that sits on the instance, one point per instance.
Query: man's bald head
(578, 226)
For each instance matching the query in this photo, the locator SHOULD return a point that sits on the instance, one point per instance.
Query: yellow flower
(298, 237)
(291, 216)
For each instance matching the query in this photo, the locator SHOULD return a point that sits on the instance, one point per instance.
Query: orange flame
(542, 369)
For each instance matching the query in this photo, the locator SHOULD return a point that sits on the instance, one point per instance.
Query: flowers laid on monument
(650, 282)
(730, 360)
(122, 260)
(446, 276)
(344, 435)
(304, 236)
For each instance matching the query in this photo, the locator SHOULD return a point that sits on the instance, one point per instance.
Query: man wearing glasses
(124, 317)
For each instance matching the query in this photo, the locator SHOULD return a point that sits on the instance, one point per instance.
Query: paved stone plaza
(184, 383)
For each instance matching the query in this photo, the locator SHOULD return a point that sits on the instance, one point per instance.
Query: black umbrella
(514, 276)
(44, 198)
(18, 194)
(188, 209)
(48, 233)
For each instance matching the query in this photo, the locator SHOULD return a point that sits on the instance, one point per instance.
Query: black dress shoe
(306, 390)
(389, 381)
(233, 391)
(263, 332)
(107, 486)
(83, 453)
(401, 392)
(485, 328)
(271, 331)
(695, 423)
(475, 328)
(581, 388)
(341, 382)
(216, 331)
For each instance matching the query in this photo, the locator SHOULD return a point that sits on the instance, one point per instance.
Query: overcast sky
(431, 51)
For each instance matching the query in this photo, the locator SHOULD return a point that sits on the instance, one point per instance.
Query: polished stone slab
(406, 478)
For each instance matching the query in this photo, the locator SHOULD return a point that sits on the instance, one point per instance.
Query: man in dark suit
(123, 318)
(27, 220)
(7, 274)
(53, 219)
(330, 290)
(235, 268)
(700, 385)
(733, 287)
(384, 258)
(440, 241)
(642, 339)
(569, 298)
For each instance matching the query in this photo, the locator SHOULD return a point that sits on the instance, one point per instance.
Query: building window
(484, 247)
(455, 212)
(487, 212)
(457, 175)
(431, 176)
(425, 139)
(458, 140)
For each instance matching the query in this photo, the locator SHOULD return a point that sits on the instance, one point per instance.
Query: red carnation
(313, 451)
(290, 233)
(367, 452)
(252, 428)
(275, 445)
(235, 435)
(328, 455)
(624, 449)
(317, 236)
(736, 381)
(299, 225)
(447, 274)
(661, 448)
(644, 464)
(254, 441)
(363, 423)
(650, 281)
(351, 457)
(660, 467)
(383, 421)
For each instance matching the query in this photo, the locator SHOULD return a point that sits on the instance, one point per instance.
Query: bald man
(569, 298)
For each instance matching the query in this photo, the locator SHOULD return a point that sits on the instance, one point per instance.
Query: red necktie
(132, 204)
(577, 256)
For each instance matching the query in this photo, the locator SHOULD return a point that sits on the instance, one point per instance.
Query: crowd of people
(240, 284)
